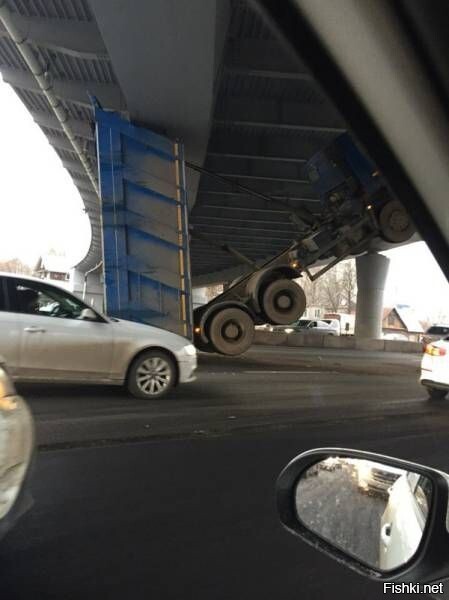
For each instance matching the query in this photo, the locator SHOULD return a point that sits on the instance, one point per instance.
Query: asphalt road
(267, 388)
(175, 499)
(331, 504)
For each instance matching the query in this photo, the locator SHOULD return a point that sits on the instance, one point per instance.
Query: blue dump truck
(357, 208)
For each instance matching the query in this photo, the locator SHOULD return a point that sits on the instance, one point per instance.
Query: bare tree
(312, 290)
(348, 285)
(331, 290)
(15, 265)
(334, 290)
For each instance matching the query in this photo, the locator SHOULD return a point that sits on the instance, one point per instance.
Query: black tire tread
(131, 384)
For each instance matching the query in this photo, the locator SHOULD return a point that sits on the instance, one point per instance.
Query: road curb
(268, 338)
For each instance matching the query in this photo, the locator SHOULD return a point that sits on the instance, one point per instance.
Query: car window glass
(436, 330)
(37, 299)
(422, 494)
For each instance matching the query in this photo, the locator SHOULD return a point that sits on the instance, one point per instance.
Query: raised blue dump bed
(145, 228)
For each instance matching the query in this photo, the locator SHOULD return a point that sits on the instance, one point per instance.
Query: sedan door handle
(34, 330)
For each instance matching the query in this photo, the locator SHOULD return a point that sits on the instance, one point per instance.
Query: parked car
(48, 334)
(346, 322)
(264, 327)
(435, 369)
(404, 519)
(435, 333)
(333, 324)
(310, 326)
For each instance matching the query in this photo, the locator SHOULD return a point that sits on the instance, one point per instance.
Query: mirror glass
(375, 512)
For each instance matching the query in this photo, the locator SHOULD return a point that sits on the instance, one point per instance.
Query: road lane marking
(287, 372)
(203, 373)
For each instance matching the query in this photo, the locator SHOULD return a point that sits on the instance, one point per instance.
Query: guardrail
(275, 338)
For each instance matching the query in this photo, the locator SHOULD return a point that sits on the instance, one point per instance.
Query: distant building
(401, 321)
(53, 267)
(313, 312)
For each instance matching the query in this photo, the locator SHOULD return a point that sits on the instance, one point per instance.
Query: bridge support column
(372, 272)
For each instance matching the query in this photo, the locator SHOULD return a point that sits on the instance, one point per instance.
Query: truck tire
(283, 302)
(151, 375)
(231, 331)
(394, 222)
(435, 394)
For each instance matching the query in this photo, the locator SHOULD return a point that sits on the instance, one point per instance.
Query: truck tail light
(435, 350)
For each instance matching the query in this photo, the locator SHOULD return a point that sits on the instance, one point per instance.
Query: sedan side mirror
(16, 450)
(381, 516)
(87, 314)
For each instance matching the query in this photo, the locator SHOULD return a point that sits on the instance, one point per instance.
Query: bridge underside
(210, 73)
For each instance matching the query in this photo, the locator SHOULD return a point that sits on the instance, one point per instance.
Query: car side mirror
(383, 517)
(87, 314)
(16, 451)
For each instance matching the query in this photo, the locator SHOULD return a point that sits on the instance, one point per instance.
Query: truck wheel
(395, 224)
(231, 331)
(152, 375)
(435, 394)
(283, 302)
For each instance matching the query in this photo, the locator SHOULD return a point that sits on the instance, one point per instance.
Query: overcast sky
(40, 209)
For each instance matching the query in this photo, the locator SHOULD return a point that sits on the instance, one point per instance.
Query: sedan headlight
(16, 443)
(190, 350)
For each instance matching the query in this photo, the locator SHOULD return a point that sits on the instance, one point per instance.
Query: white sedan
(435, 369)
(309, 326)
(48, 334)
(403, 522)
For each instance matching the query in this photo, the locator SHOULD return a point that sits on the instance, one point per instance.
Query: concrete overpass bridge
(210, 73)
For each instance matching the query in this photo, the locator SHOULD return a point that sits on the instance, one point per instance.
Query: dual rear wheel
(283, 302)
(231, 329)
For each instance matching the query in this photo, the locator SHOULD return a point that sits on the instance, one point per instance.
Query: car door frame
(13, 364)
(53, 374)
(312, 326)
